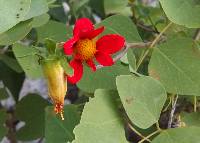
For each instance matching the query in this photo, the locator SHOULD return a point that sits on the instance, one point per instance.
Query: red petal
(68, 46)
(78, 71)
(92, 34)
(110, 43)
(82, 26)
(104, 59)
(91, 64)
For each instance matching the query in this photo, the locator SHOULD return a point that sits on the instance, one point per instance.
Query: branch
(150, 135)
(116, 58)
(172, 112)
(128, 45)
(195, 103)
(138, 45)
(155, 41)
(4, 49)
(147, 28)
(138, 133)
(197, 35)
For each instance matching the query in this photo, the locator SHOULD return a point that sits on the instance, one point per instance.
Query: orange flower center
(85, 49)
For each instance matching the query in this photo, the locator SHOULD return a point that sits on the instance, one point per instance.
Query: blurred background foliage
(26, 114)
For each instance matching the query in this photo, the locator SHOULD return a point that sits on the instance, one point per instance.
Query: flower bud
(57, 85)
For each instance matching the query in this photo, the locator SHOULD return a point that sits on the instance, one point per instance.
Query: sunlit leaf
(131, 60)
(27, 58)
(122, 25)
(176, 65)
(142, 97)
(183, 12)
(100, 121)
(37, 7)
(54, 30)
(16, 33)
(40, 20)
(117, 6)
(191, 119)
(179, 135)
(12, 12)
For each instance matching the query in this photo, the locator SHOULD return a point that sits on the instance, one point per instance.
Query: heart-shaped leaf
(142, 97)
(179, 135)
(26, 56)
(182, 12)
(100, 121)
(12, 12)
(176, 65)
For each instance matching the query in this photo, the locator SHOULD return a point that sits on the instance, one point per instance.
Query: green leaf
(3, 93)
(142, 97)
(100, 121)
(54, 30)
(98, 7)
(124, 59)
(60, 131)
(182, 12)
(78, 6)
(7, 75)
(131, 60)
(40, 20)
(117, 6)
(50, 1)
(176, 64)
(179, 135)
(30, 109)
(26, 56)
(57, 12)
(122, 25)
(12, 12)
(16, 33)
(37, 7)
(3, 129)
(150, 15)
(191, 119)
(67, 68)
(50, 46)
(102, 78)
(11, 63)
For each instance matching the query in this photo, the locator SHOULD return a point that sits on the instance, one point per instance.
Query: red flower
(84, 47)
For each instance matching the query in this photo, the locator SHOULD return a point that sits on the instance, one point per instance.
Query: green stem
(151, 21)
(138, 133)
(150, 135)
(158, 126)
(153, 44)
(195, 104)
(170, 101)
